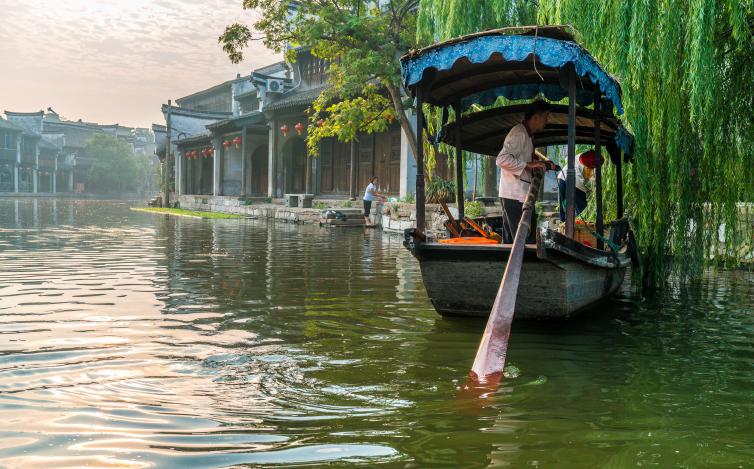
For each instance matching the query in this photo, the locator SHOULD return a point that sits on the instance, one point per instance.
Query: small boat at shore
(561, 275)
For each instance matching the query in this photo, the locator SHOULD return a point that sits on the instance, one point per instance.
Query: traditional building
(40, 152)
(252, 140)
(10, 154)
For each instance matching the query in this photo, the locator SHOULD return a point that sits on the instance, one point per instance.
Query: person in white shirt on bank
(516, 161)
(369, 194)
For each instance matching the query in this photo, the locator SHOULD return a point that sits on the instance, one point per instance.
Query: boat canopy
(515, 63)
(484, 131)
(518, 64)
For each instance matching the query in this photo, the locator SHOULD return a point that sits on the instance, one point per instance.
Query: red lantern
(299, 128)
(192, 154)
(589, 159)
(320, 122)
(237, 142)
(284, 129)
(226, 144)
(211, 151)
(204, 152)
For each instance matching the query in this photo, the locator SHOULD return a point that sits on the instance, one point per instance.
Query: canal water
(138, 340)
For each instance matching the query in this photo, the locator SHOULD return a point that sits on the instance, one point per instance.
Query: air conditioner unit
(275, 85)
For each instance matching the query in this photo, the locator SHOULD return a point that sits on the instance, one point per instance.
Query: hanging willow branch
(687, 70)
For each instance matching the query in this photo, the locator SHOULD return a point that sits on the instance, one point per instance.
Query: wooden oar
(451, 223)
(490, 357)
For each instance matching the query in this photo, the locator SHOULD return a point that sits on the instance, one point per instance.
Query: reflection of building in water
(407, 271)
(28, 212)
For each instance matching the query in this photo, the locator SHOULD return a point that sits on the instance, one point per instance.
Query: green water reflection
(149, 341)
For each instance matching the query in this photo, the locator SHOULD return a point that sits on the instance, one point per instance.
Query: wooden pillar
(55, 177)
(308, 178)
(419, 162)
(272, 145)
(18, 163)
(243, 161)
(352, 185)
(571, 171)
(166, 166)
(459, 166)
(598, 169)
(35, 170)
(216, 167)
(180, 188)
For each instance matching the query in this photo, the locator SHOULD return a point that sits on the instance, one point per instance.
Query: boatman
(516, 161)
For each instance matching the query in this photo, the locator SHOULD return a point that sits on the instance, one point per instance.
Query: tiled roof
(4, 124)
(295, 99)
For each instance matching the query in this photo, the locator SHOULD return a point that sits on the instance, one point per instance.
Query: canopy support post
(571, 171)
(419, 162)
(598, 170)
(459, 167)
(244, 167)
(619, 185)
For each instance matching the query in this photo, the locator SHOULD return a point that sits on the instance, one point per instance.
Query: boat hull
(464, 280)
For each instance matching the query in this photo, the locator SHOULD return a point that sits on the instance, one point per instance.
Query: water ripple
(139, 341)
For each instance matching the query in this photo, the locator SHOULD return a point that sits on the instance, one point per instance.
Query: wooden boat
(560, 276)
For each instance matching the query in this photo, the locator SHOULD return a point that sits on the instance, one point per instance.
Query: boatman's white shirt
(512, 159)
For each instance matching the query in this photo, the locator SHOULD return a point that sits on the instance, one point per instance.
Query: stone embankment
(392, 217)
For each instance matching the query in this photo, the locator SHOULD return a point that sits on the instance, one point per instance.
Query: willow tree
(444, 19)
(686, 69)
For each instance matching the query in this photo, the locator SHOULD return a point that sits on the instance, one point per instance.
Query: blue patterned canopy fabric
(624, 140)
(548, 52)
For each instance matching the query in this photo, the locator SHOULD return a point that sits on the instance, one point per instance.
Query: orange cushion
(468, 240)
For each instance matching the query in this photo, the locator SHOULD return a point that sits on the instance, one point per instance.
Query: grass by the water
(181, 212)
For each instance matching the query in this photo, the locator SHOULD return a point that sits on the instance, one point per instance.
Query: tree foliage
(686, 69)
(362, 40)
(443, 19)
(114, 167)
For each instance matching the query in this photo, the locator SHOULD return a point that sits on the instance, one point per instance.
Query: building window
(315, 71)
(27, 146)
(8, 142)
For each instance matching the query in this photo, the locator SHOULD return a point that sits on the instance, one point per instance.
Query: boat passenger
(516, 161)
(369, 194)
(584, 173)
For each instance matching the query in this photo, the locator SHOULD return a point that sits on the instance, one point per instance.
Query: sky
(116, 61)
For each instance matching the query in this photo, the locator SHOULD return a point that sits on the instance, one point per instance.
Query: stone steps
(335, 217)
(350, 222)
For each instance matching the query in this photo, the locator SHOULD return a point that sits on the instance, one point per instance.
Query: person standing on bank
(516, 161)
(369, 195)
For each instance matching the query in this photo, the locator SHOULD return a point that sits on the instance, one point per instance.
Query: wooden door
(206, 177)
(327, 182)
(259, 165)
(387, 161)
(381, 146)
(295, 166)
(342, 167)
(366, 160)
(394, 172)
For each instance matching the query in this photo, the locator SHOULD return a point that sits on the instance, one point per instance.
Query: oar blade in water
(490, 357)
